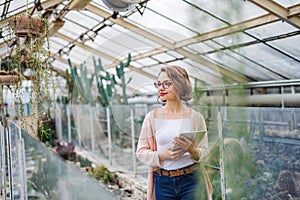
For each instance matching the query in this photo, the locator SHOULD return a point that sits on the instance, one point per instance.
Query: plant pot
(27, 26)
(9, 79)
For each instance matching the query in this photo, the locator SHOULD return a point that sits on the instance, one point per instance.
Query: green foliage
(84, 162)
(239, 167)
(46, 134)
(29, 56)
(103, 174)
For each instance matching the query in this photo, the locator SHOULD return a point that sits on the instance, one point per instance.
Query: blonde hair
(180, 80)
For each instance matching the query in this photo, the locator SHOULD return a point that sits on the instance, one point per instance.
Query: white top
(165, 131)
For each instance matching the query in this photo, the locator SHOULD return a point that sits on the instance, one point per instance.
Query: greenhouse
(83, 81)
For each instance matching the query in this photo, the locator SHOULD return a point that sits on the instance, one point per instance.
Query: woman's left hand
(188, 146)
(184, 143)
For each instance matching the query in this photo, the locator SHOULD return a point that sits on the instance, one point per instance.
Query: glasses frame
(165, 84)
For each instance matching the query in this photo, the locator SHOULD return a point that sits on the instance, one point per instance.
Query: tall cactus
(81, 85)
(102, 94)
(121, 75)
(105, 82)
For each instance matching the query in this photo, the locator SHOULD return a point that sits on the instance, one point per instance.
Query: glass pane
(273, 60)
(271, 30)
(231, 11)
(290, 45)
(287, 3)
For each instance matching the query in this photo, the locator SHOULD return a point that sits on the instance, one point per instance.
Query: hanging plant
(30, 57)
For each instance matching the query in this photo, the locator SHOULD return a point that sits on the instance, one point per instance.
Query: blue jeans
(176, 188)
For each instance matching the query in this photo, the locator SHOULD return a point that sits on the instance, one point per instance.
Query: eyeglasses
(166, 84)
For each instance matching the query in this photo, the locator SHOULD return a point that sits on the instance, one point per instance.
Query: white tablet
(192, 135)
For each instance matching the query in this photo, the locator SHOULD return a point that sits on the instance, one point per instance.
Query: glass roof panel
(128, 42)
(163, 29)
(242, 64)
(233, 39)
(272, 29)
(82, 18)
(137, 64)
(290, 45)
(146, 42)
(139, 83)
(60, 65)
(203, 68)
(175, 54)
(16, 6)
(212, 44)
(57, 43)
(163, 57)
(200, 48)
(287, 3)
(150, 18)
(189, 16)
(71, 30)
(231, 11)
(274, 60)
(148, 61)
(154, 70)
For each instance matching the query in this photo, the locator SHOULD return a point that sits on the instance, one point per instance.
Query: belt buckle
(177, 172)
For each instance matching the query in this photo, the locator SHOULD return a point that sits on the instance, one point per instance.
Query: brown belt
(177, 172)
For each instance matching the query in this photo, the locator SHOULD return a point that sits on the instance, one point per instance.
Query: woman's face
(166, 90)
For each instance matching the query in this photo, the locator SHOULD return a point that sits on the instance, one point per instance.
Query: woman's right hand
(170, 154)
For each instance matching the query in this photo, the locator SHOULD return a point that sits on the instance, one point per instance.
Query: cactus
(121, 75)
(105, 82)
(286, 182)
(80, 84)
(104, 95)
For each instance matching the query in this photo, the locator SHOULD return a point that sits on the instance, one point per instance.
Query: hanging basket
(9, 78)
(27, 26)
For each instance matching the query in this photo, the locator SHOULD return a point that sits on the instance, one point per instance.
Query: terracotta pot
(9, 79)
(27, 26)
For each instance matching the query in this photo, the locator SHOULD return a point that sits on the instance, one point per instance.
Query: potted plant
(27, 26)
(9, 77)
(29, 57)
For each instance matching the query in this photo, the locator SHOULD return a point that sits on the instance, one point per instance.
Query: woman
(172, 173)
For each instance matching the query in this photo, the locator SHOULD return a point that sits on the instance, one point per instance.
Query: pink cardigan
(148, 154)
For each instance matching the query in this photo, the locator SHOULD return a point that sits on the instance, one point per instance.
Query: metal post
(92, 128)
(221, 152)
(9, 162)
(109, 135)
(69, 123)
(78, 125)
(58, 121)
(133, 141)
(3, 166)
(23, 165)
(282, 97)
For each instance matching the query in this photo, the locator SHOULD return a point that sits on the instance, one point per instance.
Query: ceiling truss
(275, 11)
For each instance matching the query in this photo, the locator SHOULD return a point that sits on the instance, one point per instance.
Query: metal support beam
(252, 23)
(278, 10)
(294, 10)
(103, 13)
(101, 54)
